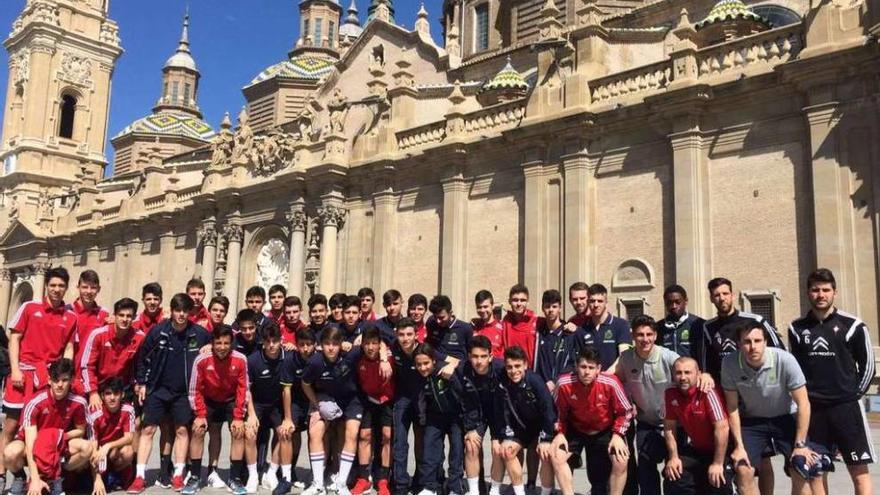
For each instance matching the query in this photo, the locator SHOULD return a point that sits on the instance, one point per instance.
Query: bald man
(699, 466)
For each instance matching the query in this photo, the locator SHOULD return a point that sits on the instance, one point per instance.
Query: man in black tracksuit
(679, 330)
(408, 384)
(165, 361)
(835, 353)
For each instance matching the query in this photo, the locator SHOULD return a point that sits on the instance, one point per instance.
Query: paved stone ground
(839, 481)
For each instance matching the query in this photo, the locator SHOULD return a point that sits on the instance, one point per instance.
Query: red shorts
(15, 398)
(49, 448)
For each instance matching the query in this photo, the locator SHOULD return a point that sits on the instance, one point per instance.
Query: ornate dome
(507, 79)
(728, 10)
(298, 67)
(182, 58)
(169, 123)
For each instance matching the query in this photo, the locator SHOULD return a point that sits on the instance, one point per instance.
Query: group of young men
(679, 405)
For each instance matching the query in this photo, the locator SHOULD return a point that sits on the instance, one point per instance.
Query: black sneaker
(283, 487)
(164, 480)
(191, 487)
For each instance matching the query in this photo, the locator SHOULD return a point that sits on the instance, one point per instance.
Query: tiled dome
(298, 67)
(726, 10)
(168, 123)
(506, 79)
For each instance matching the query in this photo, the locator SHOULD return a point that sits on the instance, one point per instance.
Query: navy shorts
(525, 437)
(156, 409)
(219, 412)
(300, 413)
(761, 435)
(353, 410)
(845, 427)
(377, 415)
(269, 415)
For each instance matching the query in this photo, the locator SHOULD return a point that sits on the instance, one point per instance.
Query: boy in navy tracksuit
(480, 377)
(294, 401)
(441, 412)
(448, 335)
(529, 419)
(165, 361)
(405, 407)
(557, 349)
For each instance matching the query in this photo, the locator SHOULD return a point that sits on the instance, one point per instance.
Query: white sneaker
(342, 488)
(215, 481)
(427, 492)
(299, 485)
(314, 489)
(270, 480)
(252, 484)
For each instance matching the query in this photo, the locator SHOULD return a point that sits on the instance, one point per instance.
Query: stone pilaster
(692, 228)
(40, 269)
(234, 236)
(453, 250)
(167, 258)
(298, 224)
(384, 231)
(535, 212)
(5, 294)
(332, 216)
(579, 176)
(208, 240)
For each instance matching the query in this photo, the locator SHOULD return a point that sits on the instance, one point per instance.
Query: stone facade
(656, 143)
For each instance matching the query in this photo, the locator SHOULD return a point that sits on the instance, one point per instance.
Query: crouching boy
(112, 433)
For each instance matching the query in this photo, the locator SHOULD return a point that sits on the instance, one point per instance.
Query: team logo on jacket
(821, 347)
(609, 334)
(685, 334)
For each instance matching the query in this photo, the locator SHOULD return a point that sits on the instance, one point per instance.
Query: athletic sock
(383, 473)
(195, 468)
(273, 468)
(178, 469)
(19, 474)
(519, 490)
(286, 470)
(252, 472)
(165, 464)
(317, 461)
(495, 489)
(236, 470)
(211, 469)
(363, 471)
(546, 490)
(346, 459)
(473, 485)
(141, 470)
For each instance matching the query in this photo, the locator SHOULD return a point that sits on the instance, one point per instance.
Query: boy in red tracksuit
(218, 391)
(109, 352)
(594, 414)
(112, 437)
(486, 325)
(89, 317)
(521, 325)
(291, 323)
(152, 315)
(416, 309)
(217, 310)
(195, 289)
(277, 295)
(378, 415)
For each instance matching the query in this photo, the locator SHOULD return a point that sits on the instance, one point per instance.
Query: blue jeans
(651, 448)
(437, 429)
(406, 415)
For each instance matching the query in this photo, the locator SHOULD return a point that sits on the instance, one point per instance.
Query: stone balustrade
(645, 79)
(495, 118)
(434, 132)
(768, 48)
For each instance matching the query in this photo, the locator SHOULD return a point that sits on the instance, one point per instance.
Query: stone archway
(23, 293)
(267, 258)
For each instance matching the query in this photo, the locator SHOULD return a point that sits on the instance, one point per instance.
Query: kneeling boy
(112, 434)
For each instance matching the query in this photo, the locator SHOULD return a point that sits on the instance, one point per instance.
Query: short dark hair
(597, 290)
(589, 354)
(482, 295)
(518, 289)
(114, 385)
(221, 300)
(577, 286)
(516, 353)
(717, 282)
(821, 276)
(247, 314)
(643, 321)
(746, 326)
(57, 272)
(331, 334)
(675, 289)
(417, 299)
(305, 335)
(351, 301)
(337, 300)
(125, 303)
(366, 292)
(480, 342)
(551, 296)
(371, 333)
(440, 303)
(59, 368)
(291, 301)
(317, 300)
(182, 301)
(221, 331)
(255, 291)
(390, 296)
(152, 288)
(271, 331)
(195, 283)
(405, 323)
(425, 349)
(278, 288)
(89, 277)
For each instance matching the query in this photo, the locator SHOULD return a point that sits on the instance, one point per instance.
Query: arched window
(68, 112)
(777, 15)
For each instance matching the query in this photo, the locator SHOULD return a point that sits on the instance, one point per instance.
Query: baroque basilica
(636, 143)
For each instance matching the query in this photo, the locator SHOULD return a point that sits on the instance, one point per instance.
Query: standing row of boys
(88, 390)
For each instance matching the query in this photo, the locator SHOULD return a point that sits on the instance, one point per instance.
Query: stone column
(167, 263)
(453, 250)
(579, 219)
(383, 239)
(535, 213)
(234, 235)
(40, 269)
(692, 228)
(208, 238)
(134, 247)
(332, 216)
(5, 294)
(296, 271)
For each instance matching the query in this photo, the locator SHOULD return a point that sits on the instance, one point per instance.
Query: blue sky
(232, 41)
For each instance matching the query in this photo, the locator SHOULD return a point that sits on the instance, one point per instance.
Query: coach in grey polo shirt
(767, 401)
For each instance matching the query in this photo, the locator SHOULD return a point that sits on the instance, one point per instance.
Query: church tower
(61, 58)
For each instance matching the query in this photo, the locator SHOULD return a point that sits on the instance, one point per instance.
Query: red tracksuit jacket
(594, 408)
(105, 356)
(219, 380)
